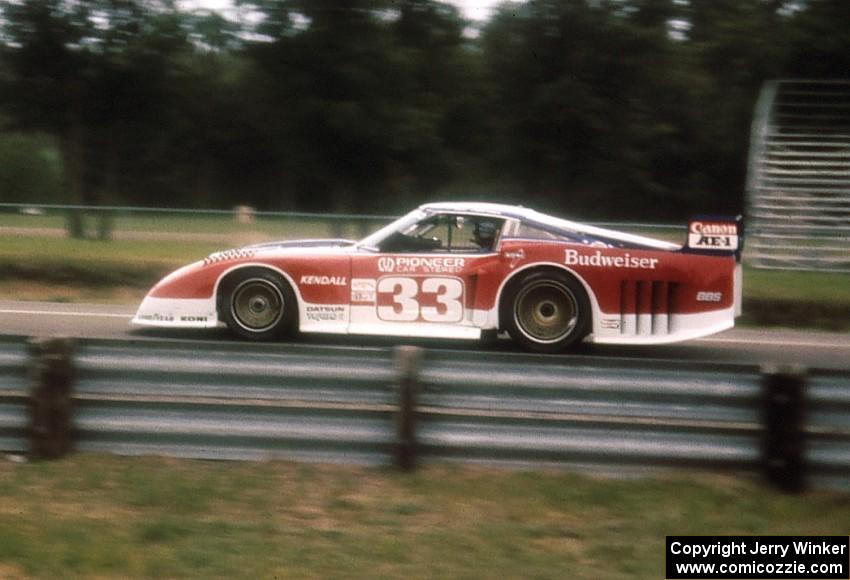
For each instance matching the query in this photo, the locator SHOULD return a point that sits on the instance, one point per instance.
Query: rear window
(530, 232)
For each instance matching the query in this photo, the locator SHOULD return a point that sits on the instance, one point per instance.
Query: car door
(423, 282)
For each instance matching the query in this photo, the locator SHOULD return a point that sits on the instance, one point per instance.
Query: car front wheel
(258, 305)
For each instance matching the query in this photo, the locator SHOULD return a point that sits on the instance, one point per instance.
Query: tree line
(595, 108)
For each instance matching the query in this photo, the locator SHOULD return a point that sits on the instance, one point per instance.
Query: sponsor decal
(363, 290)
(709, 296)
(157, 317)
(386, 265)
(610, 323)
(426, 265)
(714, 229)
(600, 260)
(323, 280)
(713, 235)
(323, 313)
(193, 319)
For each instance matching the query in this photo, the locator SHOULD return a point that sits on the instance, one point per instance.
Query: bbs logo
(386, 265)
(709, 296)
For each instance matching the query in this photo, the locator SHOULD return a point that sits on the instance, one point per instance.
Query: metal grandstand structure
(798, 184)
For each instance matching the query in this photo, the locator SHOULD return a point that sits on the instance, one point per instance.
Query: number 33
(405, 291)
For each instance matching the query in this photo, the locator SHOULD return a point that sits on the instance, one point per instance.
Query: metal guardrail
(13, 396)
(224, 405)
(327, 404)
(798, 184)
(589, 413)
(828, 429)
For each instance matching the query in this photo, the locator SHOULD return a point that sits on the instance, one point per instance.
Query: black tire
(546, 311)
(258, 304)
(489, 339)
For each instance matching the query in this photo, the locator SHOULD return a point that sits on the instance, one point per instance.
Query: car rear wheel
(547, 311)
(258, 305)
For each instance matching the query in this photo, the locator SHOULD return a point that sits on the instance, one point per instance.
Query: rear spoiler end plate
(716, 235)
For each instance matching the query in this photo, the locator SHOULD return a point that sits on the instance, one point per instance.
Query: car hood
(283, 247)
(317, 243)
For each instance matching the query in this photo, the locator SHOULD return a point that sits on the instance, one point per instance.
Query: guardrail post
(407, 376)
(783, 406)
(51, 378)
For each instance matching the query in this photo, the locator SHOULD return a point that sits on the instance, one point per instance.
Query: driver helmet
(485, 234)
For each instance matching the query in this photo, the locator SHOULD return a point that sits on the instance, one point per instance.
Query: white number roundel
(406, 291)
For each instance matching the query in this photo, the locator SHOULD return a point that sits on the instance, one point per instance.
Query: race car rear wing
(716, 235)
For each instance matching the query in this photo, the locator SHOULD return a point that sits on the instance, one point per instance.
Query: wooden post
(51, 384)
(75, 224)
(104, 225)
(407, 376)
(783, 407)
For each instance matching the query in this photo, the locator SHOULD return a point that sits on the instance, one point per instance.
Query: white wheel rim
(256, 305)
(546, 312)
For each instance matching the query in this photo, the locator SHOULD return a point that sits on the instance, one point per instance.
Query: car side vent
(646, 307)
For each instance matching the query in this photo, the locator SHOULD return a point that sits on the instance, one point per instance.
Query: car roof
(536, 218)
(494, 209)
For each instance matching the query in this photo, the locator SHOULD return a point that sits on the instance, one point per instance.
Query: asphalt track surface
(750, 346)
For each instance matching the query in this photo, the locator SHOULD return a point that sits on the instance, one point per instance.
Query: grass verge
(105, 516)
(65, 270)
(802, 313)
(796, 299)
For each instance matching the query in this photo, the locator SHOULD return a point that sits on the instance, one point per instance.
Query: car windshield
(401, 225)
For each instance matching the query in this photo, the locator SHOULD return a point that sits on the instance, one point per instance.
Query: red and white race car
(463, 270)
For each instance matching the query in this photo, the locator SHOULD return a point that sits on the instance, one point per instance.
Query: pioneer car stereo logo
(386, 265)
(422, 265)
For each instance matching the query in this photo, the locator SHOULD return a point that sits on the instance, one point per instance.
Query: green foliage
(597, 96)
(613, 108)
(30, 169)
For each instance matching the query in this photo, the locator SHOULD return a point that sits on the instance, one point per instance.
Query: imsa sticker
(363, 290)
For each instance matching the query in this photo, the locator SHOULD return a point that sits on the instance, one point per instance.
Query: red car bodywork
(639, 290)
